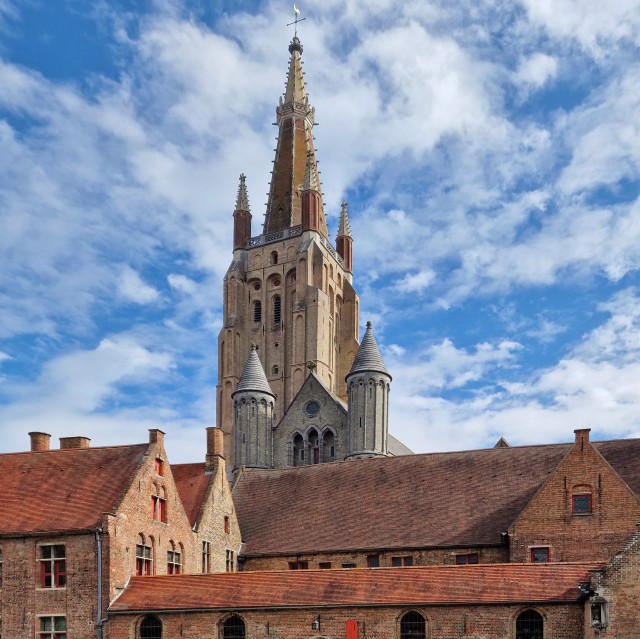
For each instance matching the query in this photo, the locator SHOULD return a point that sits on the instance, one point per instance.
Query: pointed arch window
(298, 450)
(529, 625)
(150, 628)
(412, 626)
(314, 448)
(328, 446)
(233, 628)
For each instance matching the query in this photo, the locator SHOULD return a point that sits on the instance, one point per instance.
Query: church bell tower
(288, 291)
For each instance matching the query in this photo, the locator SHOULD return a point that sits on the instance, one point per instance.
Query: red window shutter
(352, 630)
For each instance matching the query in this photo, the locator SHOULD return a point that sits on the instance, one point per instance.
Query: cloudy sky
(489, 152)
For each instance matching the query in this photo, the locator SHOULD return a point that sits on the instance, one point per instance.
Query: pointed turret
(368, 385)
(295, 159)
(344, 240)
(241, 217)
(253, 402)
(311, 198)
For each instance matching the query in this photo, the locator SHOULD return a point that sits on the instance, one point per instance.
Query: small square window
(469, 558)
(581, 504)
(373, 561)
(540, 555)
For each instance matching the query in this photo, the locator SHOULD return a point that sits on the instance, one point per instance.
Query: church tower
(288, 290)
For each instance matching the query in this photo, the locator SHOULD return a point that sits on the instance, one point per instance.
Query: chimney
(156, 436)
(39, 441)
(582, 436)
(215, 448)
(74, 442)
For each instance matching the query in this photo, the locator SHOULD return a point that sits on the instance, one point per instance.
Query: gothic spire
(295, 164)
(242, 201)
(344, 230)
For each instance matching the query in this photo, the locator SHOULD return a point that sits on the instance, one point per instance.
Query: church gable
(313, 429)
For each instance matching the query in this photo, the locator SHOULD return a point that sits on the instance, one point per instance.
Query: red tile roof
(452, 499)
(420, 585)
(192, 484)
(63, 490)
(415, 501)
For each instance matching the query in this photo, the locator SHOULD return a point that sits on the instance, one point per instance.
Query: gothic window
(412, 626)
(277, 310)
(328, 446)
(233, 628)
(298, 450)
(150, 628)
(257, 311)
(529, 625)
(314, 448)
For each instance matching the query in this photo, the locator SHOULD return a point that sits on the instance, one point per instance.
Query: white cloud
(132, 287)
(537, 70)
(4, 357)
(182, 283)
(415, 282)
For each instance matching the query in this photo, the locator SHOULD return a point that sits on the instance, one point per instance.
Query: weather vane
(297, 19)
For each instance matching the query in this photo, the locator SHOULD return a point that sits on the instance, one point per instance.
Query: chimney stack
(39, 441)
(74, 442)
(156, 436)
(215, 448)
(582, 436)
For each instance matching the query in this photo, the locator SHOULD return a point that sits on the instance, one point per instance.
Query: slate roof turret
(368, 357)
(253, 377)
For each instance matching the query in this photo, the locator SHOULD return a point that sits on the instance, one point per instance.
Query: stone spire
(253, 377)
(241, 217)
(368, 357)
(344, 241)
(295, 165)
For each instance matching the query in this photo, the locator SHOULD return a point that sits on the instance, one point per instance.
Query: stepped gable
(253, 377)
(419, 585)
(65, 490)
(191, 484)
(368, 357)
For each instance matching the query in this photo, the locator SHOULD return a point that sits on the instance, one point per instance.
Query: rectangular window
(143, 560)
(298, 565)
(53, 628)
(581, 504)
(469, 558)
(206, 557)
(540, 555)
(402, 561)
(158, 508)
(173, 562)
(53, 566)
(348, 565)
(373, 561)
(324, 565)
(229, 565)
(158, 467)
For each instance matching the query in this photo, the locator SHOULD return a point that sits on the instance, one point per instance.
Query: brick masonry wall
(423, 557)
(548, 519)
(443, 622)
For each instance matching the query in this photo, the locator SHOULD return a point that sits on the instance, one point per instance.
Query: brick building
(528, 542)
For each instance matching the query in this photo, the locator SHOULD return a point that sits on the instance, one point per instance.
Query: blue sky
(489, 152)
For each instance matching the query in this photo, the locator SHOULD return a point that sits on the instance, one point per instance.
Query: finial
(253, 346)
(310, 181)
(344, 230)
(242, 201)
(295, 43)
(369, 324)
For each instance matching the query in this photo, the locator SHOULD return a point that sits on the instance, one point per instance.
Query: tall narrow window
(276, 310)
(53, 566)
(53, 628)
(233, 628)
(159, 506)
(314, 448)
(159, 467)
(328, 446)
(227, 524)
(229, 564)
(529, 625)
(143, 557)
(412, 626)
(298, 450)
(257, 311)
(174, 560)
(206, 557)
(150, 628)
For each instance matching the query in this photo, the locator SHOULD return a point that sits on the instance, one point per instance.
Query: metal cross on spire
(297, 19)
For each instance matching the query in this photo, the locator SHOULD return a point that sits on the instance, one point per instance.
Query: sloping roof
(420, 585)
(624, 457)
(191, 483)
(396, 447)
(64, 490)
(414, 501)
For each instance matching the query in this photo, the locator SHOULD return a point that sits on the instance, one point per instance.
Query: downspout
(99, 620)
